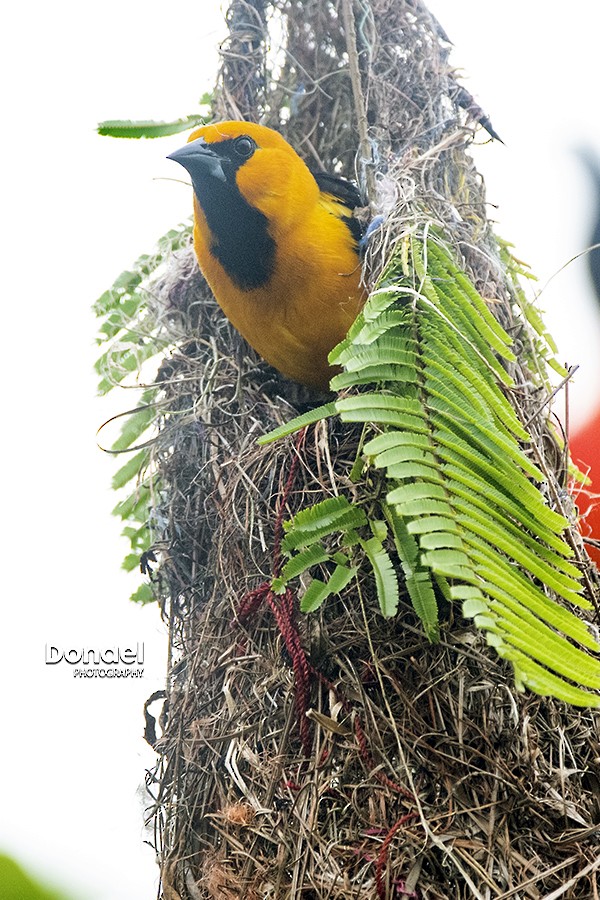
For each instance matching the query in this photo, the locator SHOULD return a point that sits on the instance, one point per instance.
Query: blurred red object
(584, 447)
(584, 444)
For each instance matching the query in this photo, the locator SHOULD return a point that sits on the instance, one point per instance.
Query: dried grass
(459, 787)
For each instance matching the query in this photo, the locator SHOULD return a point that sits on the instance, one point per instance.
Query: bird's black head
(218, 160)
(240, 237)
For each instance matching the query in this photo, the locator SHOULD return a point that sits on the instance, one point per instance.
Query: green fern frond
(426, 361)
(128, 338)
(333, 518)
(126, 128)
(542, 342)
(321, 520)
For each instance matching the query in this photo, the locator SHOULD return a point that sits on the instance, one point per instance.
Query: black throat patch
(240, 238)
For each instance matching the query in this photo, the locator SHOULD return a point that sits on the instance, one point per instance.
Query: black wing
(346, 192)
(343, 190)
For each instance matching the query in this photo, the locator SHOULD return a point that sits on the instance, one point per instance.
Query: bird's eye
(244, 146)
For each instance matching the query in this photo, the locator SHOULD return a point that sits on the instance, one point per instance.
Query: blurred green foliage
(16, 884)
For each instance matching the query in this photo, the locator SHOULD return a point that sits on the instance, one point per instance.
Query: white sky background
(77, 210)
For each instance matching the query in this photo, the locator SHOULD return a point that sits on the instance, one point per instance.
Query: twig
(366, 154)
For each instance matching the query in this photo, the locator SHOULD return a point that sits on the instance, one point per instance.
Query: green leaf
(418, 580)
(386, 580)
(558, 655)
(135, 506)
(298, 564)
(130, 470)
(418, 490)
(489, 325)
(499, 473)
(299, 422)
(341, 576)
(318, 591)
(131, 562)
(532, 515)
(125, 128)
(137, 421)
(393, 440)
(370, 374)
(144, 594)
(314, 596)
(390, 350)
(335, 514)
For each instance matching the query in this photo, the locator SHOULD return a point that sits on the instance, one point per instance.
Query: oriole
(277, 244)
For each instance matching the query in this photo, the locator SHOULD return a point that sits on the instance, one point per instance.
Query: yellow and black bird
(277, 244)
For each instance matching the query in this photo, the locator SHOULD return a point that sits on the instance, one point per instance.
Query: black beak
(199, 160)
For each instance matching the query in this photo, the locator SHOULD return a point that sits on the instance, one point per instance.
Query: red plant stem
(383, 854)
